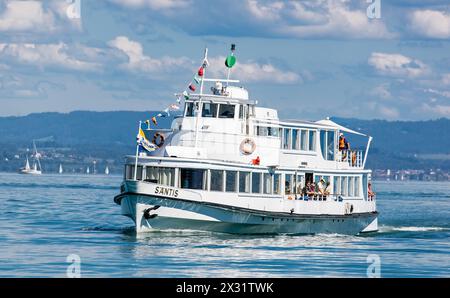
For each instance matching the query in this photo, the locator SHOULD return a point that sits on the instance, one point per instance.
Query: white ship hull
(152, 212)
(30, 172)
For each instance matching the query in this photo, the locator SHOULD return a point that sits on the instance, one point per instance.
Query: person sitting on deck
(310, 190)
(370, 193)
(327, 189)
(321, 187)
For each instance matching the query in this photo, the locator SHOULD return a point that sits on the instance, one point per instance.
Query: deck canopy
(333, 124)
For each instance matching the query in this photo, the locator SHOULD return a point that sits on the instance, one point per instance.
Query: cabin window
(256, 182)
(161, 175)
(216, 180)
(167, 176)
(192, 178)
(365, 186)
(357, 187)
(330, 145)
(336, 185)
(129, 172)
(267, 183)
(262, 131)
(231, 181)
(344, 186)
(295, 139)
(244, 182)
(209, 110)
(351, 186)
(273, 131)
(189, 109)
(288, 183)
(226, 111)
(152, 175)
(277, 184)
(139, 172)
(300, 183)
(312, 140)
(303, 140)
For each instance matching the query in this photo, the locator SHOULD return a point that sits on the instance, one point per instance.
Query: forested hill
(396, 144)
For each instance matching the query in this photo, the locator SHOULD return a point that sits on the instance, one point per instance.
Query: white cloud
(251, 71)
(441, 110)
(153, 4)
(397, 65)
(446, 79)
(438, 92)
(31, 16)
(139, 62)
(45, 55)
(327, 18)
(430, 23)
(381, 91)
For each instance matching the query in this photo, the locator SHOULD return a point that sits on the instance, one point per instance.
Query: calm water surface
(44, 219)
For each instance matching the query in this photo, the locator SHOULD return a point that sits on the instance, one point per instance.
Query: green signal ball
(230, 61)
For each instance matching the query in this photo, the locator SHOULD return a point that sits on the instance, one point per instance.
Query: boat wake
(387, 229)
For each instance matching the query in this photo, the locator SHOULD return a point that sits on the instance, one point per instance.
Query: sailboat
(87, 170)
(36, 169)
(60, 169)
(106, 170)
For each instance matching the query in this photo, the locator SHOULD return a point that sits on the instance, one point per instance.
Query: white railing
(354, 158)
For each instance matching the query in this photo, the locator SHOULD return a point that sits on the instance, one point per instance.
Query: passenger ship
(228, 165)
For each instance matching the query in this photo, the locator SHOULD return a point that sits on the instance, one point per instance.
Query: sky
(367, 59)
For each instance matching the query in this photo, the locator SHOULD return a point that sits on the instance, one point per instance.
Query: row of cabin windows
(242, 181)
(214, 110)
(298, 139)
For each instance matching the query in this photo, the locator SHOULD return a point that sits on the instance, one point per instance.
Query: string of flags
(142, 141)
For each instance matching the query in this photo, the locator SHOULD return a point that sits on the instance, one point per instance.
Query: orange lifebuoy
(161, 139)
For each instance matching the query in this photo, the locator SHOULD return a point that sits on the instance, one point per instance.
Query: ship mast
(199, 103)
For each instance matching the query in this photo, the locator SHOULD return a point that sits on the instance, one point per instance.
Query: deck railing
(354, 158)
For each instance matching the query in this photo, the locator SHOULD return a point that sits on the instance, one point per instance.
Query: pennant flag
(154, 120)
(186, 95)
(192, 87)
(230, 61)
(196, 80)
(200, 70)
(144, 143)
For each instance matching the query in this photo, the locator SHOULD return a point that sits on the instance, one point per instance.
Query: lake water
(43, 219)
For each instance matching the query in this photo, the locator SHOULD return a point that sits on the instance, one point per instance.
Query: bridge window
(244, 182)
(209, 110)
(216, 180)
(231, 181)
(193, 178)
(189, 109)
(226, 111)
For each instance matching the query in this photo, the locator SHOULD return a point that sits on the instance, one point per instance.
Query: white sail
(107, 170)
(87, 170)
(60, 169)
(27, 165)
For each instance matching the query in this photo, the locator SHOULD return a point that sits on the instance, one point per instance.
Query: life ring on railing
(247, 146)
(161, 139)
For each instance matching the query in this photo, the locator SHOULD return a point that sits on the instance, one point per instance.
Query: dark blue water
(44, 219)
